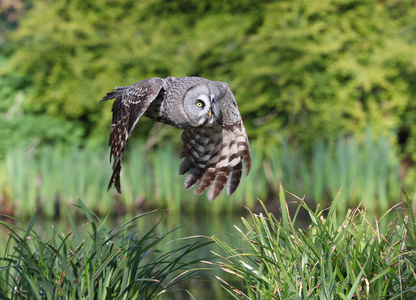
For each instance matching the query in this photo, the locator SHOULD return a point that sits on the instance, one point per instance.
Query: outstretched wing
(130, 105)
(214, 156)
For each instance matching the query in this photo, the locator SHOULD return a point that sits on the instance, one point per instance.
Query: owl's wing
(130, 105)
(214, 156)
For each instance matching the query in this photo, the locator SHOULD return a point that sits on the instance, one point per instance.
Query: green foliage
(320, 67)
(335, 258)
(21, 126)
(367, 170)
(120, 263)
(301, 70)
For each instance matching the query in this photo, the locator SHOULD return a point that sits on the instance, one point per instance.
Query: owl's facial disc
(198, 105)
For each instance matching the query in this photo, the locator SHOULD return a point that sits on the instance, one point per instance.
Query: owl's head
(202, 104)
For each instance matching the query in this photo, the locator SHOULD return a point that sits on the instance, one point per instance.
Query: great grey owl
(215, 143)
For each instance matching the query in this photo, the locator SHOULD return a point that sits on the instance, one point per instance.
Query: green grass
(93, 263)
(366, 168)
(337, 257)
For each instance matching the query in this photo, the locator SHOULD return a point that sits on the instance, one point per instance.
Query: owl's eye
(200, 103)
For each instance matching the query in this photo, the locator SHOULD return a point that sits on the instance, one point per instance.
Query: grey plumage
(215, 143)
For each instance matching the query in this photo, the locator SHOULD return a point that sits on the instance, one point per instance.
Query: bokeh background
(326, 89)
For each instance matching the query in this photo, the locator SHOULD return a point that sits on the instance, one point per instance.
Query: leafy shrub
(300, 71)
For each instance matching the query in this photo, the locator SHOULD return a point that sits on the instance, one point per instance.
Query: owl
(214, 141)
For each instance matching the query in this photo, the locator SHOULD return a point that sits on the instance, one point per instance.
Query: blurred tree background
(301, 71)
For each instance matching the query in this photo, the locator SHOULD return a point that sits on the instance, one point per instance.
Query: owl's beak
(210, 110)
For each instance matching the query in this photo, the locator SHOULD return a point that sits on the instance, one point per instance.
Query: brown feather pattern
(214, 153)
(130, 104)
(214, 161)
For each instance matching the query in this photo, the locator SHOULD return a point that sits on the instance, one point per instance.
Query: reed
(93, 263)
(367, 170)
(338, 256)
